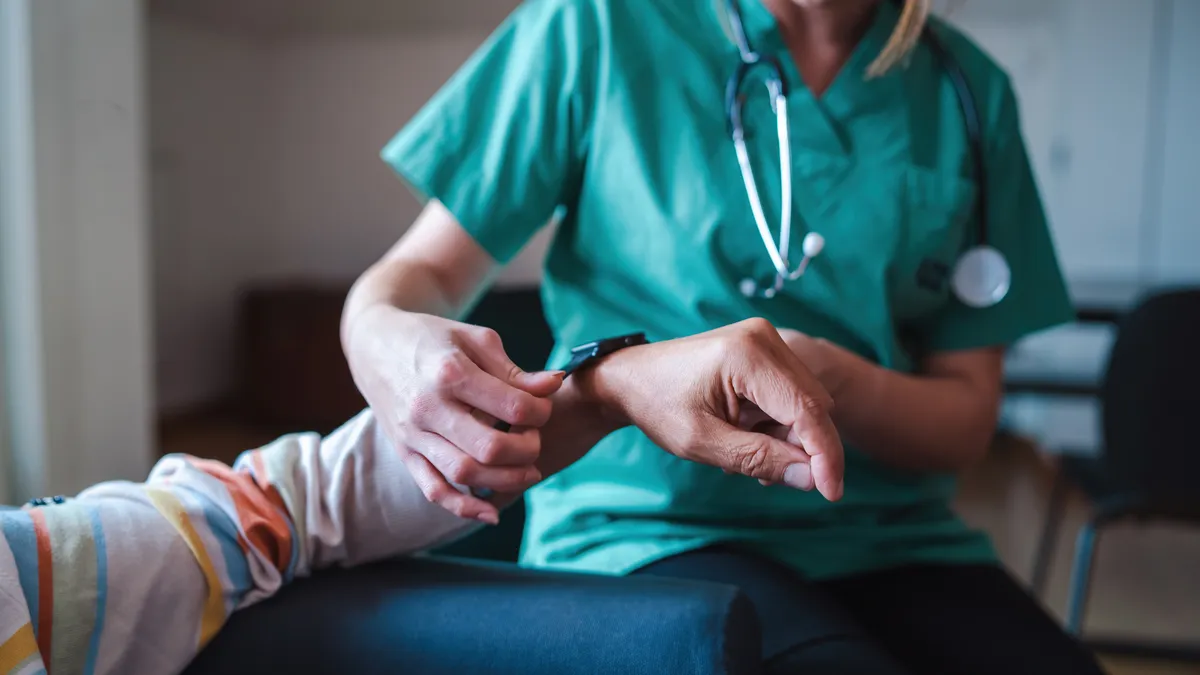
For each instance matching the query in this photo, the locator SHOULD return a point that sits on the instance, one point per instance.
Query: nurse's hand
(693, 397)
(437, 386)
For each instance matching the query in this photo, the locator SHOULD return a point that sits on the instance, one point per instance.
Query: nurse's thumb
(540, 383)
(765, 458)
(487, 351)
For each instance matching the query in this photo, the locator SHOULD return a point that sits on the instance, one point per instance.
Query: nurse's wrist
(859, 384)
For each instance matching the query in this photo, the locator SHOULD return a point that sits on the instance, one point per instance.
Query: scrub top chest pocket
(934, 214)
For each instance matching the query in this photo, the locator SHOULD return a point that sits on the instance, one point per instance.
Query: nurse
(613, 114)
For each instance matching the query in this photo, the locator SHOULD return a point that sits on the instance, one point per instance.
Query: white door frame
(73, 244)
(16, 223)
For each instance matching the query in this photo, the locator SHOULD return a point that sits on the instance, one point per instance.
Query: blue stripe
(101, 590)
(225, 530)
(17, 527)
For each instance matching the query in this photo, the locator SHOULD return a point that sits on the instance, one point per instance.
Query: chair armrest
(434, 615)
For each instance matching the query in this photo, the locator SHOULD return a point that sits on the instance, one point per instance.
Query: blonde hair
(903, 38)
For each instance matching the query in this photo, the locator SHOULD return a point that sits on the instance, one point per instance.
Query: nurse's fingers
(828, 468)
(459, 467)
(438, 491)
(485, 348)
(474, 433)
(813, 429)
(762, 457)
(500, 399)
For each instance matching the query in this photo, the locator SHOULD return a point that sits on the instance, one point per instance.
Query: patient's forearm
(137, 577)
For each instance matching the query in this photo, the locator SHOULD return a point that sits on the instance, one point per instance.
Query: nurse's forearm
(435, 268)
(916, 422)
(402, 284)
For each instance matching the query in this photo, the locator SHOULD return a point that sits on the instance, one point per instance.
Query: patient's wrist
(581, 418)
(602, 388)
(861, 386)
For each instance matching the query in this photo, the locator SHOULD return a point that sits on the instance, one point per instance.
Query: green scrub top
(613, 111)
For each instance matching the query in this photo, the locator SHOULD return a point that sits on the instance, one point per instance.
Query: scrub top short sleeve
(500, 145)
(1017, 227)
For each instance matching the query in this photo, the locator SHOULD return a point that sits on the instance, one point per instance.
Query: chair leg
(1081, 577)
(1055, 510)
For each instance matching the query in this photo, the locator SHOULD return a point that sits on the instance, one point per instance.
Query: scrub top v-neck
(611, 113)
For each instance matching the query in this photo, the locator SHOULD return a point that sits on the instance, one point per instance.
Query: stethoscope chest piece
(981, 277)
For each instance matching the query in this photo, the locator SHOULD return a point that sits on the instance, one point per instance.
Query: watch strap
(589, 352)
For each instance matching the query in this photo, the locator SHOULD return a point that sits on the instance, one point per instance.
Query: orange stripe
(270, 489)
(261, 512)
(45, 584)
(260, 469)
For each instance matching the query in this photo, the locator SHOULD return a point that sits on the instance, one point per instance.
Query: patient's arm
(138, 577)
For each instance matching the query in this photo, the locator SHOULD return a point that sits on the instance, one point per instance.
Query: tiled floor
(1147, 580)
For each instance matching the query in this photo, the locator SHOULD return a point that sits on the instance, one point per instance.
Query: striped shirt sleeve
(136, 578)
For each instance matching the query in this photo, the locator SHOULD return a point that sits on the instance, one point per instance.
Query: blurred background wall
(266, 158)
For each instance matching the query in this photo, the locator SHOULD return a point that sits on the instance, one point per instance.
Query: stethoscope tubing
(777, 90)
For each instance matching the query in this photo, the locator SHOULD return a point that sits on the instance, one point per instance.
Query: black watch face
(592, 350)
(585, 349)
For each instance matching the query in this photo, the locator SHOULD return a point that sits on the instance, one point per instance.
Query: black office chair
(1150, 459)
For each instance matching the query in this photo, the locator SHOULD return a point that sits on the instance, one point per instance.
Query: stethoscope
(981, 276)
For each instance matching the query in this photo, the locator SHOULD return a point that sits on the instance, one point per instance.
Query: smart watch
(589, 352)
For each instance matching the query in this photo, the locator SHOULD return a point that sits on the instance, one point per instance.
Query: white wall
(1107, 48)
(1177, 243)
(74, 286)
